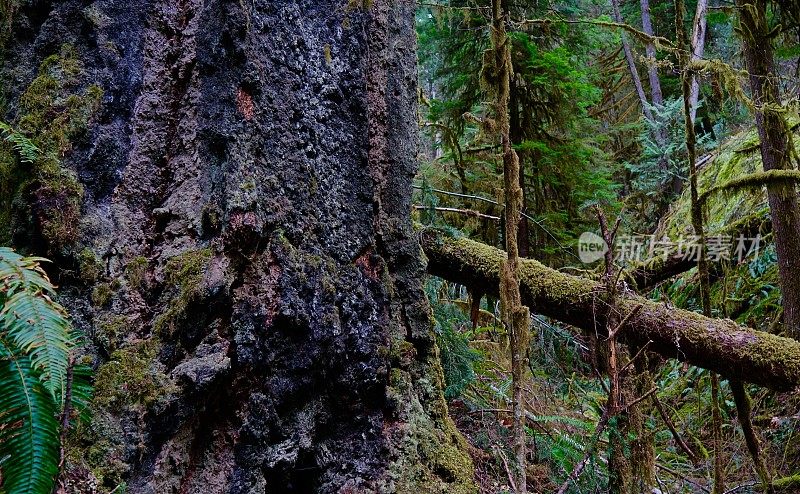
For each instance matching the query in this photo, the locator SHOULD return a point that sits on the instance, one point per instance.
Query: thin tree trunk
(775, 154)
(744, 410)
(698, 49)
(523, 235)
(658, 134)
(515, 315)
(699, 231)
(626, 48)
(650, 50)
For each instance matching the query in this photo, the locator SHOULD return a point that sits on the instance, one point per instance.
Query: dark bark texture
(258, 313)
(774, 135)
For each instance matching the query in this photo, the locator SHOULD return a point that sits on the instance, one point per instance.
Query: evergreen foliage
(37, 343)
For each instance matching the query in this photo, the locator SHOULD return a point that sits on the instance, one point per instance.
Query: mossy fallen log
(721, 345)
(653, 271)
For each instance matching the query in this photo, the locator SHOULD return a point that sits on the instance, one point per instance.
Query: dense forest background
(495, 246)
(596, 111)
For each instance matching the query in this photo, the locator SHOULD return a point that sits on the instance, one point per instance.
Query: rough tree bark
(782, 197)
(258, 311)
(515, 316)
(721, 345)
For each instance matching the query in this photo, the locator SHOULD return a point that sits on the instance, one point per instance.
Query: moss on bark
(721, 345)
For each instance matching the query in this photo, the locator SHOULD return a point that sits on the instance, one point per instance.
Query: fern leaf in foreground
(33, 321)
(29, 435)
(39, 328)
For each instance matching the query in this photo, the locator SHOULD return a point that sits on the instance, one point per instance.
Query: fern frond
(22, 273)
(39, 327)
(82, 392)
(33, 321)
(29, 436)
(25, 148)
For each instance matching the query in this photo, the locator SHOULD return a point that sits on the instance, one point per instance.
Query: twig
(468, 212)
(671, 426)
(639, 399)
(624, 321)
(508, 470)
(632, 360)
(457, 194)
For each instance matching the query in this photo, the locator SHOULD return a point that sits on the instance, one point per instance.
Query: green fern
(29, 436)
(27, 150)
(36, 341)
(35, 323)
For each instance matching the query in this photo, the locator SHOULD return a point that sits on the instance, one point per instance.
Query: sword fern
(36, 340)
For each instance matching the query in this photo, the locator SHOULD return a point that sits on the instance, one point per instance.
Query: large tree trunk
(774, 135)
(258, 300)
(720, 345)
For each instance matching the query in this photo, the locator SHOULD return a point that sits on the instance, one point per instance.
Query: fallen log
(721, 345)
(657, 269)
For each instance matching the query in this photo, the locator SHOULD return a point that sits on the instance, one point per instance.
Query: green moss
(110, 332)
(89, 266)
(787, 483)
(185, 273)
(101, 294)
(99, 446)
(132, 379)
(738, 157)
(433, 457)
(135, 271)
(53, 112)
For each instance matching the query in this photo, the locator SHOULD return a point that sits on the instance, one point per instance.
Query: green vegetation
(184, 274)
(590, 130)
(38, 378)
(34, 188)
(131, 379)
